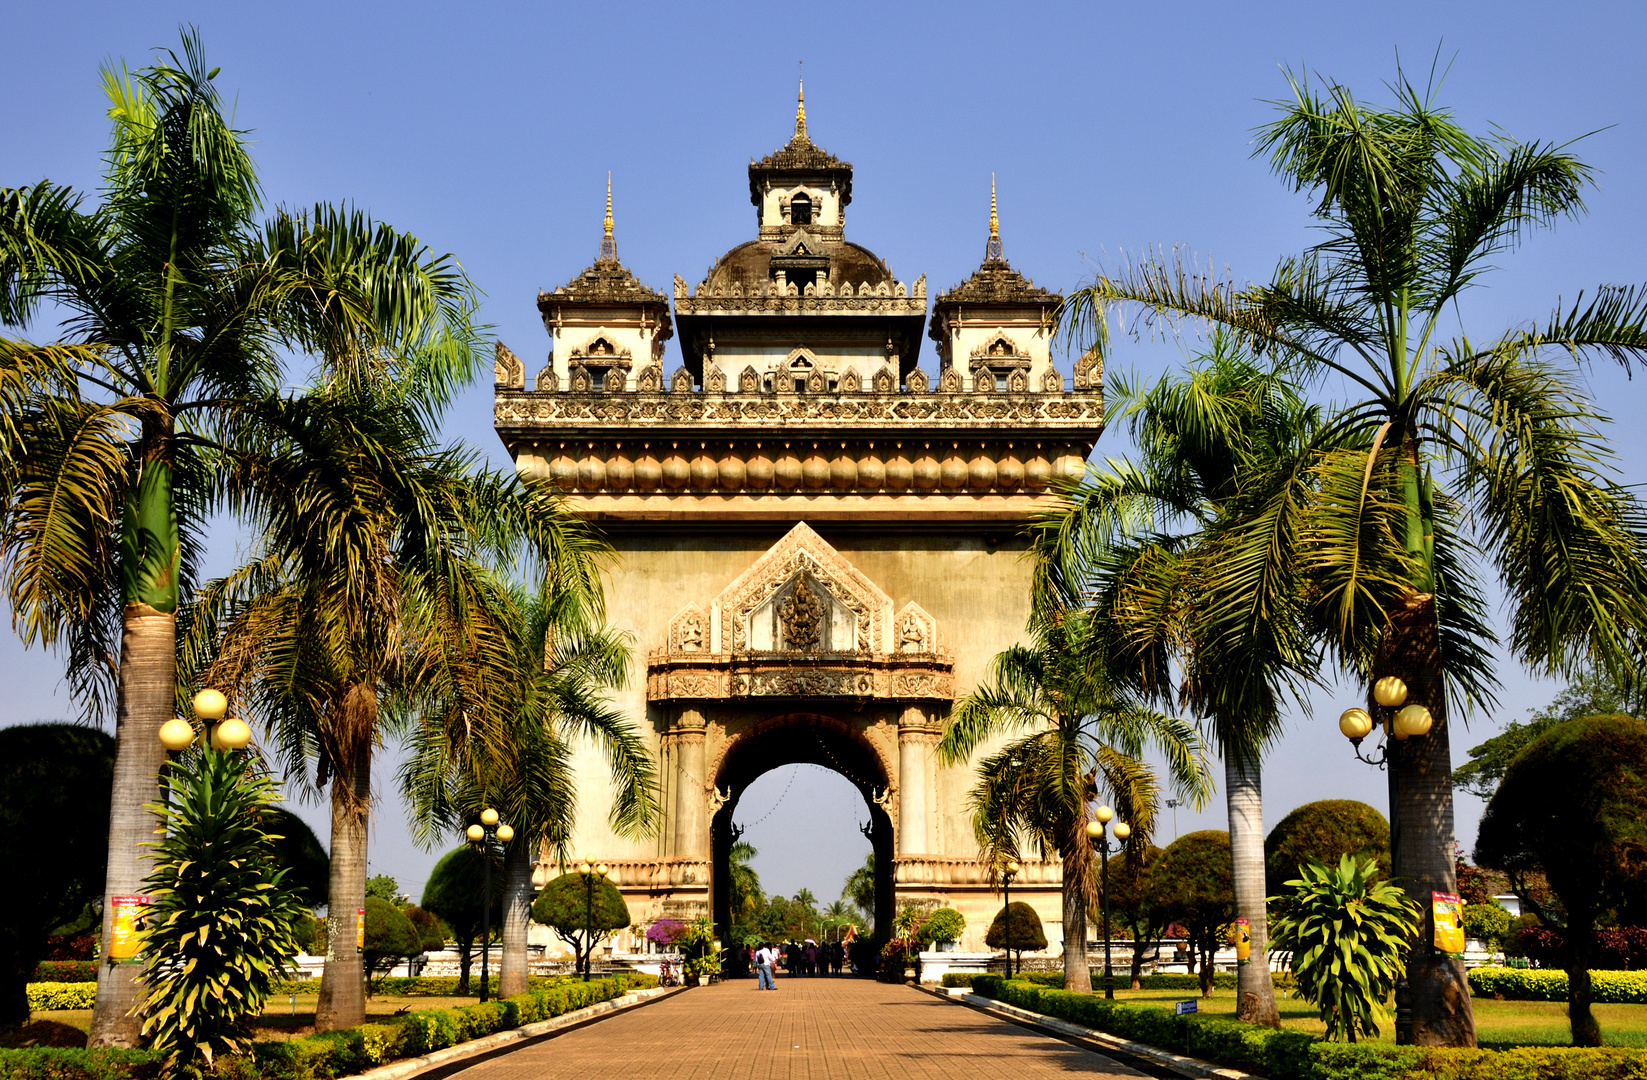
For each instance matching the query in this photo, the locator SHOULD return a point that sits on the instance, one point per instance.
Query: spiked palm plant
(1073, 731)
(1450, 451)
(1144, 545)
(561, 669)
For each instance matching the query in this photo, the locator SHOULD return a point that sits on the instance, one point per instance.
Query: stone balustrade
(949, 873)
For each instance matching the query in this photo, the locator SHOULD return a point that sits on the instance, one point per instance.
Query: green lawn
(1497, 1023)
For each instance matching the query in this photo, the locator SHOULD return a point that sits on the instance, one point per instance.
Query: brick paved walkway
(809, 1029)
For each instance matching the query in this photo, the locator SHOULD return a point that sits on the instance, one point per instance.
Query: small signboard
(126, 928)
(360, 929)
(1242, 932)
(1184, 1007)
(1449, 924)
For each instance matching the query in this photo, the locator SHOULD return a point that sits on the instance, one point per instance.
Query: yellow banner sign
(130, 919)
(1243, 941)
(360, 929)
(1449, 924)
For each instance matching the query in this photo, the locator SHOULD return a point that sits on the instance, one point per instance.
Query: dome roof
(749, 264)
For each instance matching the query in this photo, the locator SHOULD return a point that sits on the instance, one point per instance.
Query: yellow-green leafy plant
(220, 920)
(1349, 934)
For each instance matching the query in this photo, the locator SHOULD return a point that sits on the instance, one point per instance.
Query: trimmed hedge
(337, 1053)
(65, 971)
(401, 986)
(1545, 984)
(1292, 1055)
(63, 1064)
(1221, 980)
(62, 995)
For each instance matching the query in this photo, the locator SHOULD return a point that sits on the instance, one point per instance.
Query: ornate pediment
(802, 621)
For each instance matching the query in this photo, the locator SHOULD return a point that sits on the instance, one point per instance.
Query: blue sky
(488, 131)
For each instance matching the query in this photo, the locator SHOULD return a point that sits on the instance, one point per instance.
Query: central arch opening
(791, 740)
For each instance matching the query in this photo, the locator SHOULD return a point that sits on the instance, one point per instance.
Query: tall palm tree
(1143, 543)
(1078, 733)
(860, 888)
(553, 693)
(1450, 452)
(109, 436)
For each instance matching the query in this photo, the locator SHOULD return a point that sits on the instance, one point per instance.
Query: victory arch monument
(819, 542)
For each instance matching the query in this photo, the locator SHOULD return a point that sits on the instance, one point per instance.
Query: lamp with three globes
(591, 872)
(488, 836)
(177, 734)
(1096, 831)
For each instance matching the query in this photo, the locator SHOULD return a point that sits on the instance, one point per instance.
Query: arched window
(800, 209)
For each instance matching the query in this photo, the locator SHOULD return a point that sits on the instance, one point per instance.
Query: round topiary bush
(1323, 832)
(1027, 934)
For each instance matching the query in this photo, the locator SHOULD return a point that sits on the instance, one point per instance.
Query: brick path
(809, 1029)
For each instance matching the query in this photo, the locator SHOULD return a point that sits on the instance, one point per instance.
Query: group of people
(796, 958)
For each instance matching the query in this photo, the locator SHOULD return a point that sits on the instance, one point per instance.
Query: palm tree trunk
(148, 681)
(342, 1001)
(1437, 997)
(517, 917)
(1254, 987)
(1078, 896)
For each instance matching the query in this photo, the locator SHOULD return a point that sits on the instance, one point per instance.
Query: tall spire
(800, 112)
(992, 250)
(608, 246)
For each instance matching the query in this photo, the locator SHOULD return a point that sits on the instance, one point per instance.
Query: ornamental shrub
(65, 971)
(1348, 933)
(56, 995)
(1550, 984)
(1193, 882)
(944, 924)
(582, 912)
(390, 937)
(1026, 930)
(1322, 832)
(1489, 922)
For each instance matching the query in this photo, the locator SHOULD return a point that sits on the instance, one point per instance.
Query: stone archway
(801, 738)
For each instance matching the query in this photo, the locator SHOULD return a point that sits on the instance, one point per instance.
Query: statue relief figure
(912, 635)
(801, 617)
(692, 634)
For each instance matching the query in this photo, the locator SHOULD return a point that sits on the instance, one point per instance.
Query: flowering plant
(666, 931)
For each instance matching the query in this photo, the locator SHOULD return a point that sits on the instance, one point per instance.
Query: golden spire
(608, 246)
(992, 250)
(800, 112)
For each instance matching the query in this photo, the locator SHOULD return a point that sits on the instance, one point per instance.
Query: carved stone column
(691, 830)
(916, 742)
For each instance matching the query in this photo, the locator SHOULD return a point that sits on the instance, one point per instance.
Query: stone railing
(657, 873)
(945, 872)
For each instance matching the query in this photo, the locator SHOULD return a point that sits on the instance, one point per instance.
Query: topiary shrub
(431, 932)
(1026, 930)
(582, 911)
(1194, 883)
(1487, 922)
(1322, 832)
(944, 924)
(390, 938)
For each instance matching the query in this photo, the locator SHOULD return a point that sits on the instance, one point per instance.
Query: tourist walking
(765, 957)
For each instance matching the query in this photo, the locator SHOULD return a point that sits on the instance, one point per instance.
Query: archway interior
(792, 741)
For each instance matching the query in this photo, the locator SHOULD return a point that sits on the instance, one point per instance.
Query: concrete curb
(405, 1067)
(1184, 1066)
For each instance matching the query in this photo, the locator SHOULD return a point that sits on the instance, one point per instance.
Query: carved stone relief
(507, 370)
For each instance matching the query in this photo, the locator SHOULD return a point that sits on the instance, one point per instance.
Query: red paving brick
(808, 1029)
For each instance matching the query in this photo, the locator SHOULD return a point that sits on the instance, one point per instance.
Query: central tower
(819, 541)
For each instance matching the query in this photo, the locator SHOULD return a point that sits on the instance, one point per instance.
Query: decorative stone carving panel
(507, 370)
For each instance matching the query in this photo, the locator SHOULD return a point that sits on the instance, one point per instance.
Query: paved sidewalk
(809, 1029)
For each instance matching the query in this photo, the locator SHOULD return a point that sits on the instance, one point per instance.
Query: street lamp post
(1007, 874)
(488, 835)
(1400, 722)
(591, 873)
(177, 734)
(1095, 831)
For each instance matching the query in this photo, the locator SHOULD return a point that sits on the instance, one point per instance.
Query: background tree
(453, 892)
(1146, 543)
(431, 932)
(1193, 883)
(860, 888)
(743, 882)
(1348, 933)
(219, 918)
(1450, 453)
(1132, 903)
(385, 887)
(1320, 832)
(390, 938)
(1574, 805)
(54, 783)
(1026, 931)
(1076, 729)
(1590, 692)
(583, 917)
(562, 667)
(299, 851)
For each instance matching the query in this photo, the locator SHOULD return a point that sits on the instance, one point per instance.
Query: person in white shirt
(765, 957)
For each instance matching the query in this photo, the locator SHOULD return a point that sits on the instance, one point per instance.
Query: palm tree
(553, 693)
(744, 883)
(1081, 732)
(1451, 452)
(860, 888)
(110, 435)
(1143, 544)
